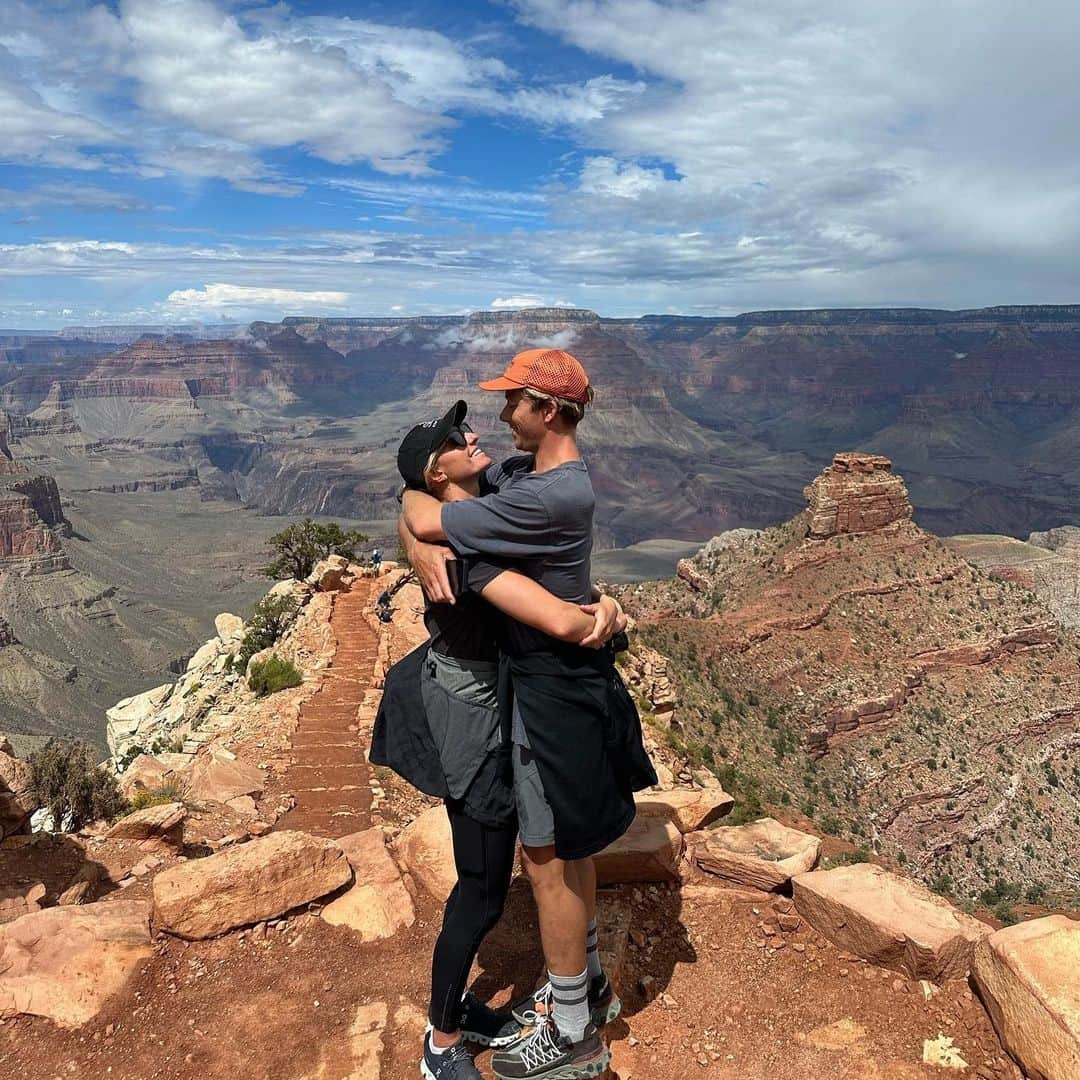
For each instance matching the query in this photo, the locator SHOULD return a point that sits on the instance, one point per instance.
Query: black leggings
(484, 857)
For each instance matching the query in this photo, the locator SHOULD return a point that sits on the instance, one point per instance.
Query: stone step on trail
(328, 754)
(329, 775)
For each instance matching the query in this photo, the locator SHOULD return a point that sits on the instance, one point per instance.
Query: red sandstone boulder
(889, 920)
(218, 776)
(379, 903)
(162, 822)
(16, 801)
(1028, 976)
(65, 962)
(648, 851)
(145, 773)
(247, 884)
(690, 809)
(763, 854)
(426, 849)
(331, 574)
(16, 901)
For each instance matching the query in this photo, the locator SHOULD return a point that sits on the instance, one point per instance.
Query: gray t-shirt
(541, 524)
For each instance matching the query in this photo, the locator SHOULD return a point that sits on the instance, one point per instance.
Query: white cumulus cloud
(871, 135)
(220, 297)
(516, 303)
(197, 65)
(34, 132)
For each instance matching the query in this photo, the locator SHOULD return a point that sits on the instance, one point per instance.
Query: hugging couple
(514, 714)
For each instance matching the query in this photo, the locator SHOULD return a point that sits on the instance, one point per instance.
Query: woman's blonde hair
(429, 468)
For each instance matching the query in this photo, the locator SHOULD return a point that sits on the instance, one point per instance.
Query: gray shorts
(536, 822)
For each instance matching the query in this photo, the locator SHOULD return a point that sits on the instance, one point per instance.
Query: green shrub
(1036, 893)
(167, 791)
(142, 799)
(1004, 912)
(65, 779)
(271, 619)
(304, 543)
(130, 755)
(273, 674)
(847, 858)
(1001, 892)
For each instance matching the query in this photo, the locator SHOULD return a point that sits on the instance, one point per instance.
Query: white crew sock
(570, 1004)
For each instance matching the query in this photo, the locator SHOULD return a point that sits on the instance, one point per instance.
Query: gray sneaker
(482, 1024)
(544, 1054)
(455, 1063)
(604, 1003)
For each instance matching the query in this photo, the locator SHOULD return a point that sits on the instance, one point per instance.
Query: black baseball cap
(422, 441)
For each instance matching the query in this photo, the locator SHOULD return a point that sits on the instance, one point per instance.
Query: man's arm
(530, 603)
(423, 516)
(429, 561)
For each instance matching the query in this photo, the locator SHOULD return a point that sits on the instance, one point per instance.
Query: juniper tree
(300, 546)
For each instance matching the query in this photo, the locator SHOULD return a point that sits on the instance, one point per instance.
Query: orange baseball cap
(551, 371)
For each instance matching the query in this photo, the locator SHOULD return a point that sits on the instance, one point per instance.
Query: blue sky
(179, 160)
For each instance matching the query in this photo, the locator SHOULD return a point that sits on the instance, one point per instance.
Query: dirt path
(329, 774)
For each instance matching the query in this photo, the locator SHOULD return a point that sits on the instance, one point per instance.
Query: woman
(439, 727)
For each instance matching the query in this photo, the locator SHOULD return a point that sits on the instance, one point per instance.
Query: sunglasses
(456, 435)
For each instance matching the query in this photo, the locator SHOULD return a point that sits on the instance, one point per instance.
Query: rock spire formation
(857, 493)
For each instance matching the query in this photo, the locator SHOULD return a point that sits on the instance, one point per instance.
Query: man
(575, 767)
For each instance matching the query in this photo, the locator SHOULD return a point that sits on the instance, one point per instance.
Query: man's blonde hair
(571, 411)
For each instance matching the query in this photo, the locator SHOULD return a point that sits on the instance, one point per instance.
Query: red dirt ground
(280, 1008)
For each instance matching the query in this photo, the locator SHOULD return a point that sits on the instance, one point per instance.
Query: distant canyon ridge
(137, 463)
(700, 424)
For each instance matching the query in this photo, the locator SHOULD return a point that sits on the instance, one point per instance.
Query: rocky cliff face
(31, 524)
(290, 873)
(850, 663)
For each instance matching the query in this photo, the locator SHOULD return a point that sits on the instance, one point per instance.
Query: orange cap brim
(501, 383)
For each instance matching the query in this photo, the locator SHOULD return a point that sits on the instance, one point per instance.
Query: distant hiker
(376, 559)
(577, 746)
(440, 727)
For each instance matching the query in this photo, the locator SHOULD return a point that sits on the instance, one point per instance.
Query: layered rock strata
(31, 523)
(857, 493)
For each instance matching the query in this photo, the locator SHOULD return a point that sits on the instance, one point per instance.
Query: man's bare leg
(583, 872)
(562, 906)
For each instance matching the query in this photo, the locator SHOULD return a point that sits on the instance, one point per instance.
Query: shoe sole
(602, 1015)
(495, 1042)
(580, 1071)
